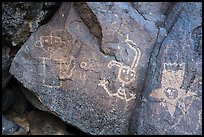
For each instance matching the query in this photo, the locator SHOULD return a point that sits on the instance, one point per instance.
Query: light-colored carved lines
(137, 52)
(170, 94)
(68, 68)
(90, 65)
(45, 83)
(126, 74)
(120, 92)
(65, 70)
(52, 44)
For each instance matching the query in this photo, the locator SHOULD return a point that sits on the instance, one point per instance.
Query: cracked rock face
(173, 95)
(88, 65)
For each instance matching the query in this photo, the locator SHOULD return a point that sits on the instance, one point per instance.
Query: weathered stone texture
(42, 123)
(93, 65)
(19, 19)
(172, 101)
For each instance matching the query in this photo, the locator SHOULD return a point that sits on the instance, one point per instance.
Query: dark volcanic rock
(21, 104)
(172, 101)
(89, 19)
(21, 18)
(42, 123)
(7, 99)
(88, 66)
(6, 62)
(8, 127)
(91, 84)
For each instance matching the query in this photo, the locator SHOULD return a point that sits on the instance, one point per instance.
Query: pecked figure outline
(171, 94)
(65, 68)
(51, 40)
(124, 70)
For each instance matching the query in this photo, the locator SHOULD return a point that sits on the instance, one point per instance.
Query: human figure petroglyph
(126, 74)
(170, 94)
(52, 44)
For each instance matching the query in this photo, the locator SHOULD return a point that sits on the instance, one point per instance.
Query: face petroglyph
(54, 42)
(126, 75)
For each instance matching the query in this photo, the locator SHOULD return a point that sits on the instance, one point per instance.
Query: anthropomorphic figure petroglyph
(126, 74)
(64, 67)
(170, 94)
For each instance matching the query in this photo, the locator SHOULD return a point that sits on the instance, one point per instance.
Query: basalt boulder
(172, 100)
(91, 76)
(94, 65)
(19, 19)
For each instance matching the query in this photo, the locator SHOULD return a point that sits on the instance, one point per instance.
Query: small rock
(8, 127)
(24, 124)
(42, 123)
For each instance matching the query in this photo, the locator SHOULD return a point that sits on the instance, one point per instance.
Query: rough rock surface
(91, 85)
(172, 101)
(6, 62)
(42, 123)
(89, 64)
(8, 127)
(19, 19)
(20, 104)
(7, 99)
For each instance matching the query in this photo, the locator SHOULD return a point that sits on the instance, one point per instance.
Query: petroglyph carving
(170, 94)
(121, 92)
(50, 44)
(50, 76)
(126, 74)
(64, 69)
(67, 68)
(90, 65)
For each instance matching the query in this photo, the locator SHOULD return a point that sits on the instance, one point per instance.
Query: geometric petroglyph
(50, 75)
(170, 94)
(61, 69)
(126, 74)
(90, 65)
(47, 43)
(67, 68)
